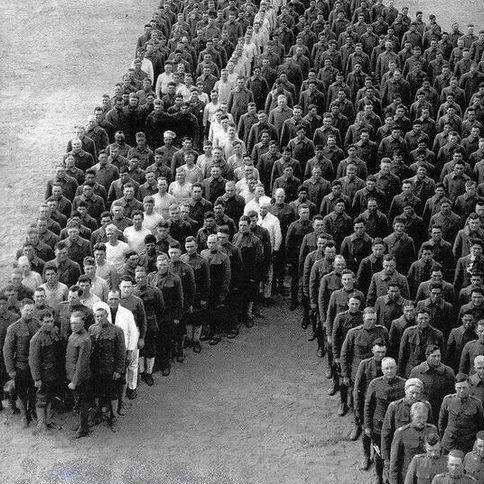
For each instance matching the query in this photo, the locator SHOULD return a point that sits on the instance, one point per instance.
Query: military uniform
(412, 346)
(459, 422)
(423, 468)
(6, 319)
(108, 357)
(474, 466)
(446, 478)
(171, 288)
(219, 270)
(16, 358)
(45, 362)
(381, 392)
(407, 442)
(396, 416)
(78, 372)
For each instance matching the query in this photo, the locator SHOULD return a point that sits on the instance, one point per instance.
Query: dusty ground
(252, 410)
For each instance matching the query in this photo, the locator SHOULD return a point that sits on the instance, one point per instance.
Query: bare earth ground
(252, 410)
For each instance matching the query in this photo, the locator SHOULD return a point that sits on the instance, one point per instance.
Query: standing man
(16, 358)
(78, 370)
(108, 360)
(44, 363)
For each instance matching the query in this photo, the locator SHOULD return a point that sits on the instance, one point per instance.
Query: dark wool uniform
(407, 442)
(187, 277)
(474, 466)
(6, 319)
(368, 370)
(381, 392)
(16, 358)
(252, 254)
(108, 356)
(357, 346)
(459, 421)
(438, 382)
(45, 362)
(154, 306)
(396, 416)
(201, 272)
(412, 346)
(171, 287)
(446, 478)
(423, 468)
(219, 270)
(78, 372)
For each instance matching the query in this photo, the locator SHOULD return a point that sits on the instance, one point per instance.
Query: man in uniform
(7, 318)
(108, 360)
(409, 441)
(474, 460)
(368, 370)
(154, 306)
(455, 470)
(44, 363)
(171, 287)
(78, 369)
(219, 277)
(201, 271)
(461, 417)
(424, 467)
(16, 358)
(381, 392)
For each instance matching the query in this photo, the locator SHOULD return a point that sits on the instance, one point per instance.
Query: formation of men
(337, 146)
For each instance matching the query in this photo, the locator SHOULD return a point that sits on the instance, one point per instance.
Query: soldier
(399, 325)
(381, 392)
(398, 414)
(455, 470)
(7, 318)
(357, 345)
(171, 287)
(108, 360)
(251, 251)
(44, 363)
(415, 340)
(187, 277)
(344, 321)
(16, 358)
(438, 379)
(472, 349)
(201, 272)
(474, 460)
(424, 467)
(368, 370)
(458, 338)
(78, 370)
(219, 270)
(476, 380)
(154, 306)
(461, 417)
(409, 441)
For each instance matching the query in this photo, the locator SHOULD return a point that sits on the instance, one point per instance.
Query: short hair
(461, 377)
(431, 348)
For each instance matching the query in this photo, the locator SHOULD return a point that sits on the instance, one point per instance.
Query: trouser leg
(132, 370)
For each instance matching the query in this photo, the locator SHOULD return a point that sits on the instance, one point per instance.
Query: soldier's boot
(343, 408)
(330, 371)
(41, 427)
(12, 399)
(83, 429)
(48, 416)
(112, 418)
(24, 410)
(120, 400)
(366, 462)
(378, 469)
(356, 430)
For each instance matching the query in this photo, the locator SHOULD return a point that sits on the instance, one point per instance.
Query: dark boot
(24, 410)
(366, 462)
(83, 429)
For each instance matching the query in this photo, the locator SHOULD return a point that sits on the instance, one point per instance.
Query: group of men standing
(335, 145)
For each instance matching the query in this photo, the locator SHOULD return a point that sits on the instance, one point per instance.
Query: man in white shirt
(87, 298)
(209, 110)
(163, 199)
(115, 249)
(259, 198)
(136, 233)
(55, 291)
(223, 86)
(150, 218)
(163, 79)
(271, 223)
(99, 286)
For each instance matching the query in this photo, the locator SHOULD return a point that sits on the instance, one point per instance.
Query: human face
(433, 451)
(389, 369)
(77, 324)
(126, 288)
(369, 319)
(113, 299)
(39, 298)
(479, 447)
(389, 266)
(419, 418)
(434, 358)
(379, 352)
(191, 247)
(462, 389)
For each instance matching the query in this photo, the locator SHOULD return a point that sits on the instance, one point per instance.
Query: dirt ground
(251, 410)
